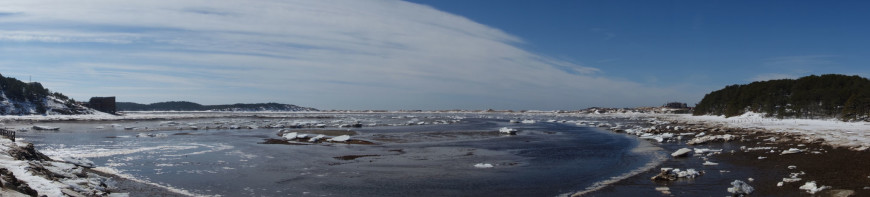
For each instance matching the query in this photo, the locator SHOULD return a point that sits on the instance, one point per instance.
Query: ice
(79, 161)
(706, 150)
(342, 138)
(681, 152)
(791, 151)
(709, 138)
(505, 130)
(708, 163)
(812, 188)
(739, 187)
(316, 138)
(290, 136)
(483, 165)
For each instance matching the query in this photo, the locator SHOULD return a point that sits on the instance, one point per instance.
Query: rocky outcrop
(27, 152)
(10, 182)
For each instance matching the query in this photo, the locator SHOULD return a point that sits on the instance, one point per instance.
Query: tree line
(825, 96)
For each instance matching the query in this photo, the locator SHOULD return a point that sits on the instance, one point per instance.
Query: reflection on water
(545, 159)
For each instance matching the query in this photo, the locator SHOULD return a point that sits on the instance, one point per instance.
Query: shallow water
(545, 159)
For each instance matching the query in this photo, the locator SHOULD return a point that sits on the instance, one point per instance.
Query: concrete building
(103, 104)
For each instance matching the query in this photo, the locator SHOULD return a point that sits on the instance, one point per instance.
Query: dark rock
(28, 153)
(10, 182)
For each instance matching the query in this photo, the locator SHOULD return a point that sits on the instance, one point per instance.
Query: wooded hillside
(826, 96)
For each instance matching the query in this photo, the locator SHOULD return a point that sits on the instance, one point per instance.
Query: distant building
(676, 105)
(103, 104)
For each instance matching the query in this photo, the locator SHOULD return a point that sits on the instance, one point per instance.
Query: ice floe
(812, 188)
(739, 187)
(711, 138)
(483, 165)
(342, 138)
(681, 152)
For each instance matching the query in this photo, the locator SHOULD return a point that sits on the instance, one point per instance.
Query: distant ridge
(191, 106)
(21, 98)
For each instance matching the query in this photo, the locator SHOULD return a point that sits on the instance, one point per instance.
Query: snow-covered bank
(26, 172)
(836, 133)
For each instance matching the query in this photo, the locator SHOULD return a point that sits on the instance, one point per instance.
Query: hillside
(826, 96)
(20, 98)
(190, 106)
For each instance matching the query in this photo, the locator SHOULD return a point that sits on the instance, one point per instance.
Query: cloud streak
(328, 54)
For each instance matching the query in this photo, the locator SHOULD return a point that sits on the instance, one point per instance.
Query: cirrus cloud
(340, 54)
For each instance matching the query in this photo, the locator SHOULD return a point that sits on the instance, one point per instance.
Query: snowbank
(834, 132)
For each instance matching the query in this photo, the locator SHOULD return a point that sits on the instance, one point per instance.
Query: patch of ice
(483, 165)
(739, 187)
(812, 188)
(791, 151)
(681, 152)
(290, 136)
(342, 138)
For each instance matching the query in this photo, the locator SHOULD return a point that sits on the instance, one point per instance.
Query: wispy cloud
(333, 54)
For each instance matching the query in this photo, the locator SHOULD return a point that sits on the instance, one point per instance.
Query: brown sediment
(358, 142)
(329, 132)
(400, 151)
(352, 157)
(304, 141)
(840, 168)
(846, 170)
(843, 169)
(285, 142)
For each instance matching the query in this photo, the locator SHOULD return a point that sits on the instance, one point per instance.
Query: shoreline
(841, 167)
(642, 149)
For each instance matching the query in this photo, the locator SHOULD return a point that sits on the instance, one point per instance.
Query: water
(545, 159)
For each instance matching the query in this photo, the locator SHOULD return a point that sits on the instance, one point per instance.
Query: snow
(834, 132)
(20, 170)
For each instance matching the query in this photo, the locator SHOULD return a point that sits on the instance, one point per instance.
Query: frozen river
(544, 159)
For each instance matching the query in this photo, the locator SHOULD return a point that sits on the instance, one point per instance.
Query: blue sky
(446, 54)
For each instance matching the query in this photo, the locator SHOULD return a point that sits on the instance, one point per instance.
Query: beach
(153, 150)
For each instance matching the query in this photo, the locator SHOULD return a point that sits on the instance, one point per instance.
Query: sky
(423, 54)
